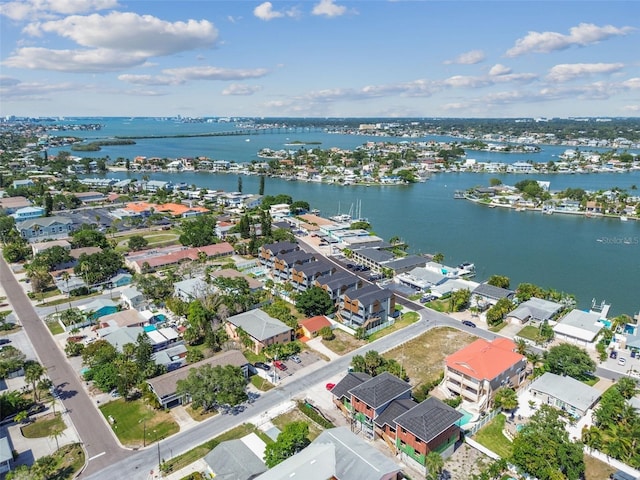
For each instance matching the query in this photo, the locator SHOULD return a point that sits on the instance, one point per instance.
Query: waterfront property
(476, 371)
(485, 294)
(535, 309)
(564, 393)
(579, 327)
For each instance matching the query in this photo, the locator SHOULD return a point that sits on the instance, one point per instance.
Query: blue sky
(317, 58)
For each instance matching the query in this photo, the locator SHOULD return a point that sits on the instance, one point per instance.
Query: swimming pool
(466, 417)
(149, 328)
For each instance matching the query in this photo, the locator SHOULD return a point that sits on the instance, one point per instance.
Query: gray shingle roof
(375, 255)
(279, 247)
(369, 294)
(297, 256)
(259, 324)
(489, 291)
(536, 308)
(351, 380)
(380, 389)
(428, 419)
(393, 411)
(338, 280)
(233, 460)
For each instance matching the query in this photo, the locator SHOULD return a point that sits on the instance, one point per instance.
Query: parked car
(279, 365)
(262, 366)
(613, 354)
(469, 323)
(296, 358)
(4, 341)
(329, 386)
(622, 361)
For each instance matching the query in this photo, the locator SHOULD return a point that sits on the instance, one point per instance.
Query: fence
(481, 423)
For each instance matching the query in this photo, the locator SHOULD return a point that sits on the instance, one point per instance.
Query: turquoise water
(466, 416)
(589, 257)
(149, 328)
(160, 318)
(606, 323)
(519, 427)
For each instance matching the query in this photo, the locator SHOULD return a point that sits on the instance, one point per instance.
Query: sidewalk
(317, 345)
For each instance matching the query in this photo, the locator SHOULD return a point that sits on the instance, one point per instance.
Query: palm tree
(33, 372)
(521, 347)
(434, 463)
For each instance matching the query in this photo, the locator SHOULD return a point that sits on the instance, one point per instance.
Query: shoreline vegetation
(96, 145)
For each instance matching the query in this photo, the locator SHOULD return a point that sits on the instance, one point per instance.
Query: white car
(622, 361)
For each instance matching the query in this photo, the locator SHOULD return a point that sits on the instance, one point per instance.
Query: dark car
(613, 354)
(4, 341)
(262, 366)
(469, 324)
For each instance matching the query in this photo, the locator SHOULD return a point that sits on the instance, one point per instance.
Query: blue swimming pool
(466, 417)
(160, 317)
(149, 328)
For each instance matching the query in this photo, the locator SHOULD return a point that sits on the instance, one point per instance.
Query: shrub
(311, 412)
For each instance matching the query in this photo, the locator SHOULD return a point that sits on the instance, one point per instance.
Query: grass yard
(176, 463)
(135, 418)
(343, 342)
(296, 415)
(529, 332)
(198, 415)
(404, 321)
(55, 328)
(491, 436)
(44, 426)
(594, 469)
(497, 328)
(70, 460)
(441, 306)
(423, 357)
(260, 383)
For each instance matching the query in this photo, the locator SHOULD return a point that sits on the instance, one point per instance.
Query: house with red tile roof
(476, 371)
(311, 326)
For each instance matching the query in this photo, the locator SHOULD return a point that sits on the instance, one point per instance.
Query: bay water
(593, 258)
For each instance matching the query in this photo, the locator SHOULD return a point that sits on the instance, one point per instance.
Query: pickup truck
(279, 365)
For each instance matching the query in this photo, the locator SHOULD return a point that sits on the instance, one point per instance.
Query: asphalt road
(100, 445)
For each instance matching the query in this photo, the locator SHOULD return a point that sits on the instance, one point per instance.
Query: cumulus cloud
(582, 35)
(328, 9)
(265, 12)
(499, 69)
(214, 73)
(569, 71)
(632, 83)
(92, 61)
(468, 58)
(240, 89)
(129, 32)
(34, 9)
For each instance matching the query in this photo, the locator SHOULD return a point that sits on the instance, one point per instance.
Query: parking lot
(624, 363)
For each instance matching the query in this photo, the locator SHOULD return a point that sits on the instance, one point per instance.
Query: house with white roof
(535, 309)
(579, 327)
(564, 393)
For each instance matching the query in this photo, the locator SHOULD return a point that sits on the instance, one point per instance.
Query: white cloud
(129, 32)
(328, 9)
(156, 80)
(582, 35)
(265, 12)
(631, 108)
(214, 73)
(93, 61)
(468, 58)
(632, 83)
(569, 71)
(34, 9)
(240, 89)
(499, 69)
(463, 81)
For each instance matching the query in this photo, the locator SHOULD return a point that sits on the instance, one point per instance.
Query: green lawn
(261, 384)
(497, 328)
(70, 460)
(55, 328)
(529, 332)
(296, 415)
(131, 420)
(491, 436)
(343, 342)
(404, 321)
(44, 426)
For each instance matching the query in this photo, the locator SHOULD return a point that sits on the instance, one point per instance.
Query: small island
(97, 145)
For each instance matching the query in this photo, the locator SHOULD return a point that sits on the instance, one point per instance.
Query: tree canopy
(210, 386)
(199, 232)
(374, 364)
(571, 360)
(293, 438)
(543, 449)
(499, 281)
(314, 301)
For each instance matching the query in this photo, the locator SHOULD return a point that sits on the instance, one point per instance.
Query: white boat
(624, 218)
